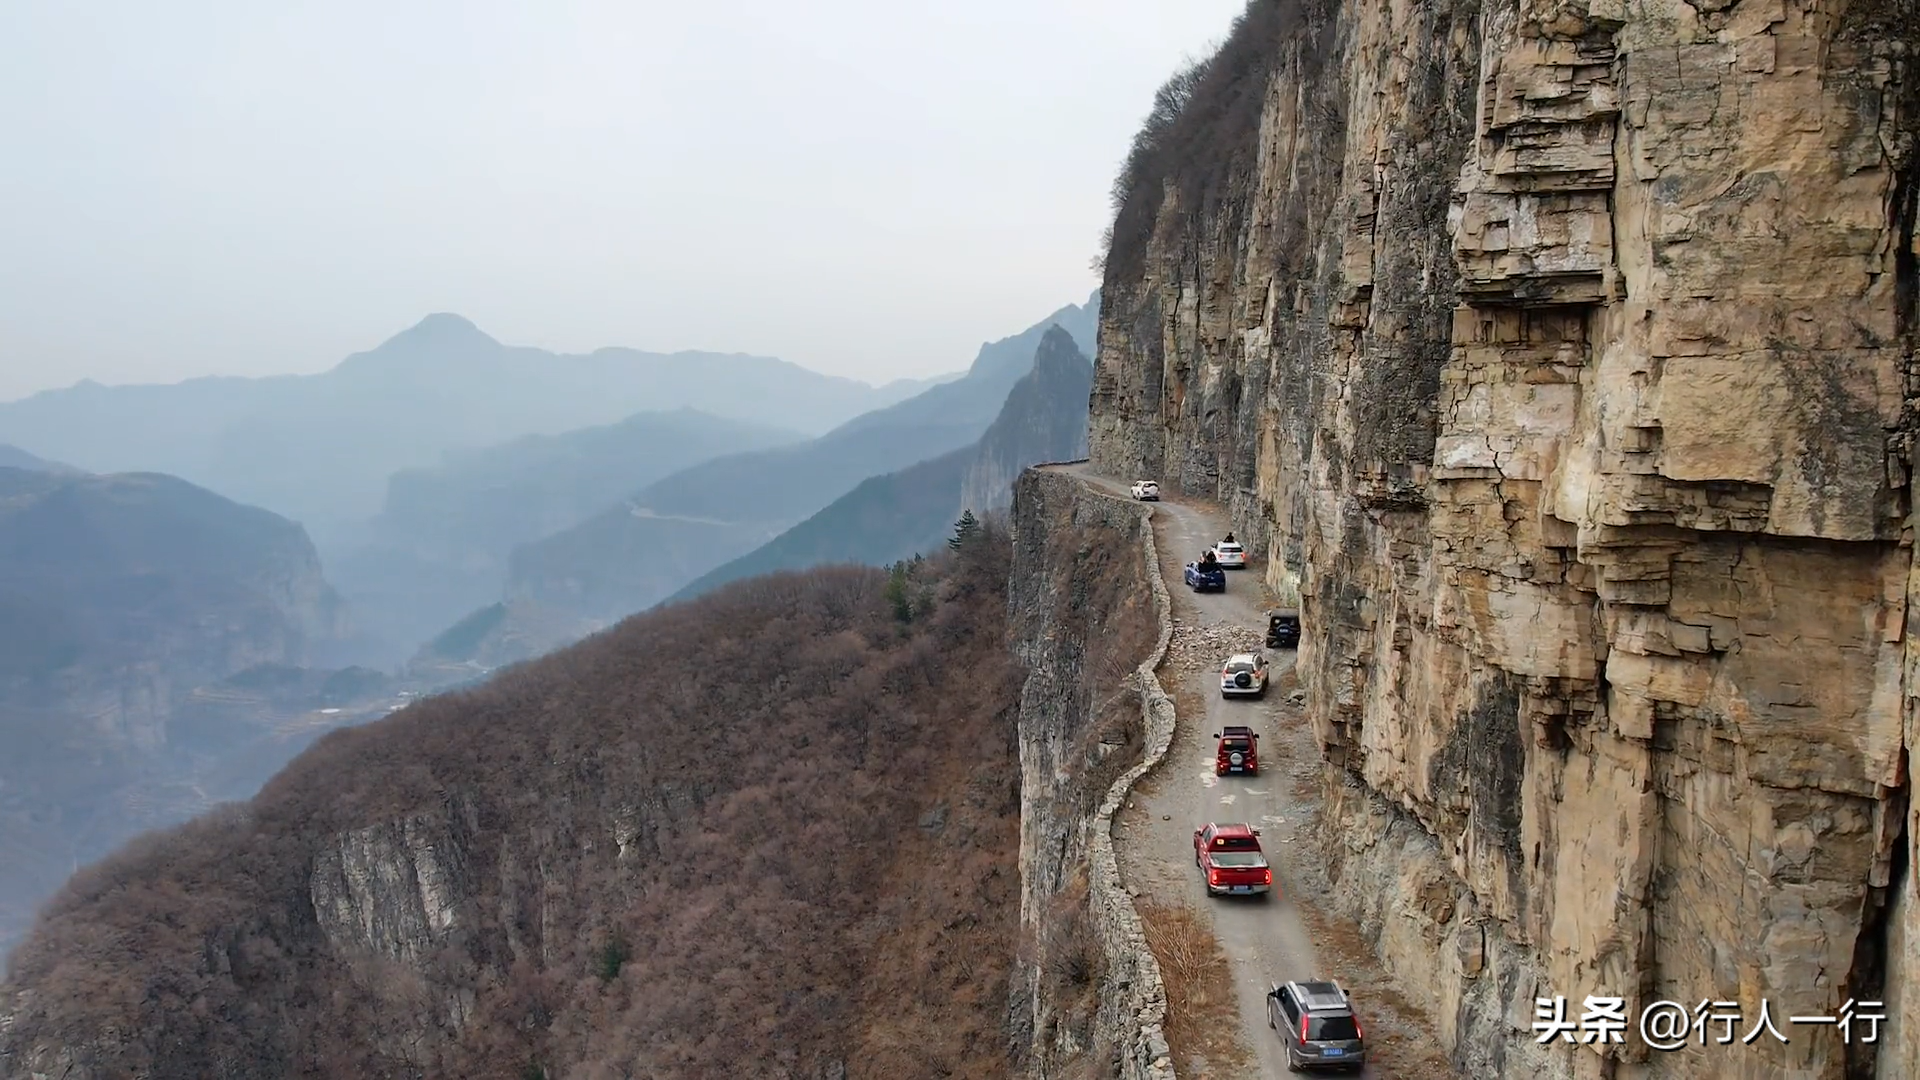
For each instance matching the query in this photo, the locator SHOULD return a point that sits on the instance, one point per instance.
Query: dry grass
(1072, 965)
(1203, 1020)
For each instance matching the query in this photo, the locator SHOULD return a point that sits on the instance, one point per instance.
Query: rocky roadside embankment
(1091, 621)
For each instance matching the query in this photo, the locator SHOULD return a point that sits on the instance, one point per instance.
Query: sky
(865, 187)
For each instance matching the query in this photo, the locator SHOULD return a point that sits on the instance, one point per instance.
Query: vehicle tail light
(1266, 877)
(1303, 1027)
(1358, 1031)
(1213, 877)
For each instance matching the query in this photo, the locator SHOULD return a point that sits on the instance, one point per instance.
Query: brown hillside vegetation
(1203, 129)
(760, 833)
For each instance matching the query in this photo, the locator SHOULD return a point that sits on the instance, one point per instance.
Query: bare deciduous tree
(691, 841)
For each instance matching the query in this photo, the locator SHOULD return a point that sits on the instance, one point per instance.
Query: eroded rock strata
(1559, 355)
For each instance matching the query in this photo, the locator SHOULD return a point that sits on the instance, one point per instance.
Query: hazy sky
(867, 187)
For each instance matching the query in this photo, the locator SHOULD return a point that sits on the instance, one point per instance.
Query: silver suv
(1316, 1024)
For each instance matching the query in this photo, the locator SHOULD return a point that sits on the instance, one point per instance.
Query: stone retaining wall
(1143, 1012)
(1056, 516)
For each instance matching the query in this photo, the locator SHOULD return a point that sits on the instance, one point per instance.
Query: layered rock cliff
(1559, 354)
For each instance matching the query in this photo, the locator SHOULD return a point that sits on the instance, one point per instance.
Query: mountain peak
(442, 330)
(1058, 349)
(446, 322)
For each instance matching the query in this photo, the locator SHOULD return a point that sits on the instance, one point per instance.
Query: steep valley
(878, 856)
(125, 602)
(900, 514)
(708, 523)
(439, 548)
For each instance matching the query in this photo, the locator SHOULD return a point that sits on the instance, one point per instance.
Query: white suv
(1146, 490)
(1231, 555)
(1244, 674)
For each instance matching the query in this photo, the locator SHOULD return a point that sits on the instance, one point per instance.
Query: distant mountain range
(164, 647)
(669, 534)
(12, 457)
(439, 547)
(891, 517)
(320, 448)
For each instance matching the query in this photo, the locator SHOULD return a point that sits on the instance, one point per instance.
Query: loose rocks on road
(1207, 645)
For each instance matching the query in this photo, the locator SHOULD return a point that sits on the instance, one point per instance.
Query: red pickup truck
(1231, 859)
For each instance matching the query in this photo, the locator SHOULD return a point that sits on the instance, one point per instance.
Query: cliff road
(1559, 355)
(1293, 933)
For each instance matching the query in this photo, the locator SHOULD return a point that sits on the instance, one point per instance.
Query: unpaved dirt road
(1291, 935)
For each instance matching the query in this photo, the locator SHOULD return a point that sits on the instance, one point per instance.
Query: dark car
(1316, 1023)
(1283, 628)
(1206, 577)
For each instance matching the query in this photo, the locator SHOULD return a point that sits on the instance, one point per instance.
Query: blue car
(1206, 578)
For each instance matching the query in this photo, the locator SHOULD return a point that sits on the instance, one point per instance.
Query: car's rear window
(1239, 858)
(1232, 743)
(1242, 665)
(1333, 1028)
(1235, 843)
(1228, 547)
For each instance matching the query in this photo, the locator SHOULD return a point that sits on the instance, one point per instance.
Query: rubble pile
(1209, 645)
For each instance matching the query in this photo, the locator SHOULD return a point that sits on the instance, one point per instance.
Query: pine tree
(964, 530)
(897, 594)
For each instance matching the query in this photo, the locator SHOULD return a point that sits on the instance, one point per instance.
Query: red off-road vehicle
(1239, 752)
(1231, 859)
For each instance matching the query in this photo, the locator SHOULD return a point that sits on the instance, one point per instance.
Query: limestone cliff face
(1558, 352)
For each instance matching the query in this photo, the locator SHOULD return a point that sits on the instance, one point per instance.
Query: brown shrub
(1202, 1017)
(1074, 964)
(772, 826)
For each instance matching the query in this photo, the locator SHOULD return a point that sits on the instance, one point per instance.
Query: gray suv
(1316, 1023)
